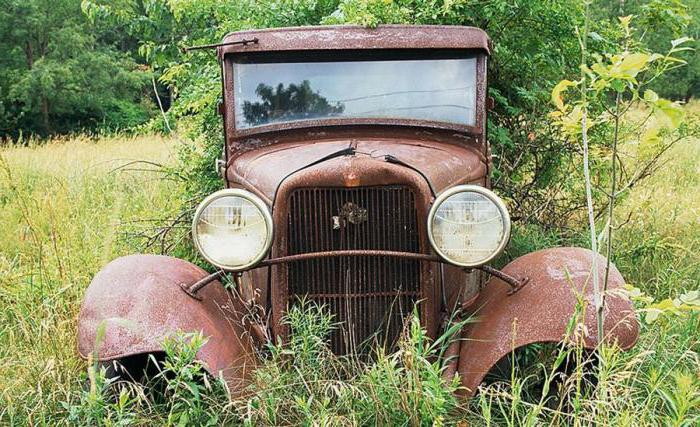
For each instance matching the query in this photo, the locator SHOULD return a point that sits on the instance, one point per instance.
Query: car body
(354, 157)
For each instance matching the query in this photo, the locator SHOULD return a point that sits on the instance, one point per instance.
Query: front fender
(541, 311)
(136, 302)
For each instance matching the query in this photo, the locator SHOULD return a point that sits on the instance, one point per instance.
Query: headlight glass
(468, 225)
(232, 229)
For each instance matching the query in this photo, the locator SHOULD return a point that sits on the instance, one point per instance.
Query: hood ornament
(350, 213)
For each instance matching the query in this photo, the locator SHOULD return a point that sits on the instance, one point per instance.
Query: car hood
(443, 165)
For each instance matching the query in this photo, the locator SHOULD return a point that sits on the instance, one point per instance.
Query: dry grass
(62, 203)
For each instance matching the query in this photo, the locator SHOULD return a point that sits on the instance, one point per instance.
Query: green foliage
(57, 77)
(304, 383)
(187, 384)
(180, 391)
(534, 44)
(97, 405)
(658, 22)
(683, 305)
(609, 86)
(519, 79)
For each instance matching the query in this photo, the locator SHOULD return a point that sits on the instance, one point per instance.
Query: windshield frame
(230, 100)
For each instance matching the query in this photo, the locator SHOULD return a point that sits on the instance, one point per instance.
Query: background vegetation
(71, 204)
(60, 74)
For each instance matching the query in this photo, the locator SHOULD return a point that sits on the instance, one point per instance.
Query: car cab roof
(351, 37)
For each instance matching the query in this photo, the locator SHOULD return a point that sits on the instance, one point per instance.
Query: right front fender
(135, 302)
(542, 311)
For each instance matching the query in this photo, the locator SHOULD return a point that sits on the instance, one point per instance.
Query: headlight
(232, 229)
(468, 225)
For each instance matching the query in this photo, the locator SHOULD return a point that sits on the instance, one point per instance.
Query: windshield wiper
(243, 42)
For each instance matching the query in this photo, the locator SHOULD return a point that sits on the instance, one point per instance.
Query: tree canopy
(57, 75)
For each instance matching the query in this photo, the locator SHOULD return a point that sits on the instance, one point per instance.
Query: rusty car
(357, 175)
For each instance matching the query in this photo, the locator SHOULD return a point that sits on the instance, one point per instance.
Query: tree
(56, 77)
(295, 102)
(659, 21)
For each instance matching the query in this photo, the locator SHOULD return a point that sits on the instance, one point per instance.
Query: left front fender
(135, 303)
(541, 311)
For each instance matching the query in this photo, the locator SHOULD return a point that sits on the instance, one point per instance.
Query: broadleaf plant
(600, 115)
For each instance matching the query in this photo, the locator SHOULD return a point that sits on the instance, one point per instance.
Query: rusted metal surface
(444, 164)
(345, 37)
(135, 302)
(450, 358)
(515, 283)
(193, 288)
(350, 253)
(541, 311)
(344, 122)
(369, 296)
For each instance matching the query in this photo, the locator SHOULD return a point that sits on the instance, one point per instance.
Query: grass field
(61, 208)
(64, 209)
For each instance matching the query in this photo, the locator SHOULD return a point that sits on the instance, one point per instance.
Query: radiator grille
(369, 297)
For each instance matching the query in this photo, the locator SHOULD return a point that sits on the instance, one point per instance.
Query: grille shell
(369, 297)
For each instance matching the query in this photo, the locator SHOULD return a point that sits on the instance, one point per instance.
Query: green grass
(659, 248)
(66, 208)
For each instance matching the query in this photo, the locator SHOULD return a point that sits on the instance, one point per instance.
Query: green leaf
(650, 96)
(595, 36)
(652, 315)
(634, 63)
(691, 298)
(654, 57)
(680, 41)
(671, 111)
(625, 21)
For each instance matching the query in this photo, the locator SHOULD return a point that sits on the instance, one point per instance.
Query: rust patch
(444, 164)
(343, 37)
(541, 311)
(136, 302)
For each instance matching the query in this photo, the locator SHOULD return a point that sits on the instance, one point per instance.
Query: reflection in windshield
(436, 89)
(284, 104)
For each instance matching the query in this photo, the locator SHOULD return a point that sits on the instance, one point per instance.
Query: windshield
(442, 90)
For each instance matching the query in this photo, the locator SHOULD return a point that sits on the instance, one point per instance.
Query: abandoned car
(356, 170)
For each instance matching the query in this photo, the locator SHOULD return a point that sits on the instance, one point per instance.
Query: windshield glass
(442, 90)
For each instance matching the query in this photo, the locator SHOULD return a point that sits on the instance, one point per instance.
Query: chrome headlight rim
(474, 189)
(257, 202)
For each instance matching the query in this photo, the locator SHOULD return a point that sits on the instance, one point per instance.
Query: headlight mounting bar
(515, 283)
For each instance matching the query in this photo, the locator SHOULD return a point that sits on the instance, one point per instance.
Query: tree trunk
(45, 115)
(29, 54)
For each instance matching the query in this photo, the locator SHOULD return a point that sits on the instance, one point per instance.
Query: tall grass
(61, 206)
(66, 205)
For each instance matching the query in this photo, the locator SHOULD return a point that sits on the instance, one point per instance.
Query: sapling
(610, 85)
